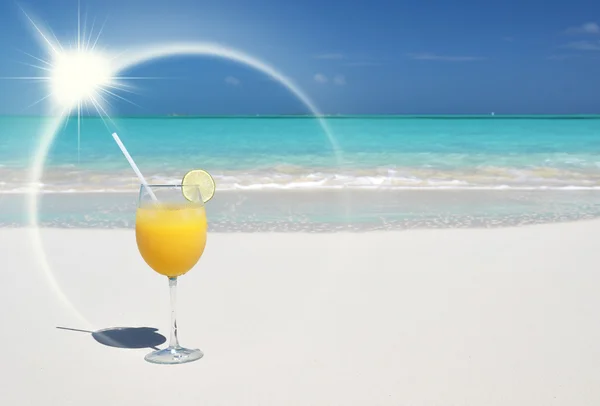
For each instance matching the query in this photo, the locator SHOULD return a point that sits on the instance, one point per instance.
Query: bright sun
(78, 77)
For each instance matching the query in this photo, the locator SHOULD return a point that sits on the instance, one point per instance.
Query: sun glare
(78, 77)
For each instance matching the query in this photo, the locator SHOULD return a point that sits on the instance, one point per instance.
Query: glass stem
(173, 342)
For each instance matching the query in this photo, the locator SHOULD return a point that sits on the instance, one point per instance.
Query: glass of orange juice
(170, 229)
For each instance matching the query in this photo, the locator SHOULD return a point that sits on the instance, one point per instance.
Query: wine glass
(170, 230)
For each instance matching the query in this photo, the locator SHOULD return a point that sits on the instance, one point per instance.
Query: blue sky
(359, 57)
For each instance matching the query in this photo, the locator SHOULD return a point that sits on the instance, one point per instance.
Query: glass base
(174, 355)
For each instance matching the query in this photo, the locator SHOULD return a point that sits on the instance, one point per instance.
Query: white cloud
(583, 45)
(233, 81)
(320, 78)
(586, 28)
(330, 56)
(347, 60)
(339, 80)
(428, 56)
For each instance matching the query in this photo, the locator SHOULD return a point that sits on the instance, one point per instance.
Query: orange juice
(171, 238)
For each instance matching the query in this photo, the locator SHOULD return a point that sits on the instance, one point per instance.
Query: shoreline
(570, 223)
(322, 211)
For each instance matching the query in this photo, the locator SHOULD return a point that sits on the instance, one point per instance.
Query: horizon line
(310, 116)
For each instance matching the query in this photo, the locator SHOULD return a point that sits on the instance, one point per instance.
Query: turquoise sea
(285, 173)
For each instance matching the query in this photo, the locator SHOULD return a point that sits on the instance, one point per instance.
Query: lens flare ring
(127, 61)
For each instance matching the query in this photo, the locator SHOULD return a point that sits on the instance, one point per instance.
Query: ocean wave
(62, 180)
(275, 188)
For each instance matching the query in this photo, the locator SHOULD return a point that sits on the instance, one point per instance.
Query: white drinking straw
(134, 166)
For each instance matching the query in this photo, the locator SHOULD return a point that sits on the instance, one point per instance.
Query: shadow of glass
(125, 337)
(129, 337)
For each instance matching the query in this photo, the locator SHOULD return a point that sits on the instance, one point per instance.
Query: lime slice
(195, 180)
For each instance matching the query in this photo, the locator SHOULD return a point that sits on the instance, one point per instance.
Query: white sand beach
(504, 316)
